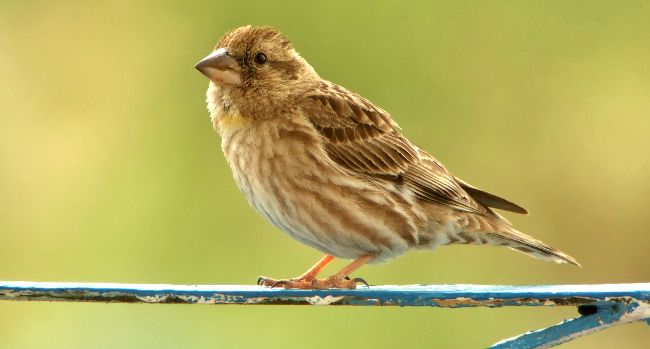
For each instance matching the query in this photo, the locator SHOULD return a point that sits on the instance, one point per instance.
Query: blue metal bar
(412, 295)
(607, 314)
(601, 306)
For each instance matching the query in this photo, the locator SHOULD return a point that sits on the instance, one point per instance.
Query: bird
(333, 170)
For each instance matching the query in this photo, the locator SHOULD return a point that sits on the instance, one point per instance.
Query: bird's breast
(268, 158)
(276, 164)
(287, 176)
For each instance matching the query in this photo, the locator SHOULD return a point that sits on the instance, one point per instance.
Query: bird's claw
(265, 281)
(358, 281)
(286, 283)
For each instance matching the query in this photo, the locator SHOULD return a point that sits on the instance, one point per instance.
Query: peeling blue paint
(410, 295)
(602, 305)
(608, 314)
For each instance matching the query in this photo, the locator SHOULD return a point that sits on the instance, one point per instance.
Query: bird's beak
(220, 67)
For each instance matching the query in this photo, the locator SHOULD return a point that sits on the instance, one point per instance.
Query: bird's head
(252, 59)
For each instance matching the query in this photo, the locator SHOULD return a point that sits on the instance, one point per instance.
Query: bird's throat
(226, 122)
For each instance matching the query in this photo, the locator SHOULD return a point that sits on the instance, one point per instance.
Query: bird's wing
(363, 138)
(490, 200)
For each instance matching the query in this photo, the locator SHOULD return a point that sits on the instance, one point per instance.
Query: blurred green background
(110, 170)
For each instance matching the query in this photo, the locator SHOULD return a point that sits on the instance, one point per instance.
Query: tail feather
(521, 242)
(492, 229)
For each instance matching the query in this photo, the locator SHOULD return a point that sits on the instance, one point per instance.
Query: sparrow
(331, 169)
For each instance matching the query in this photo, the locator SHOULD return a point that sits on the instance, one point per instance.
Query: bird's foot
(334, 281)
(300, 283)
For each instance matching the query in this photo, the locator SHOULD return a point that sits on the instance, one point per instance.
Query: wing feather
(363, 138)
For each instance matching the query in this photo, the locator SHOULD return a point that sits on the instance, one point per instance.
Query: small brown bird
(331, 169)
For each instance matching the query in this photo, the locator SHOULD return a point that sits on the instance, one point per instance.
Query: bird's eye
(260, 58)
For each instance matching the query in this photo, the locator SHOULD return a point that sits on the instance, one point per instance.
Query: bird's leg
(313, 272)
(308, 279)
(305, 279)
(340, 279)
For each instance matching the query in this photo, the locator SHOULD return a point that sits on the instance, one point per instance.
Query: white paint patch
(327, 300)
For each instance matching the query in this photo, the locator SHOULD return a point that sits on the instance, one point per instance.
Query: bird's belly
(319, 205)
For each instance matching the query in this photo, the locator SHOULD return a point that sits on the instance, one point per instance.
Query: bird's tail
(498, 232)
(521, 242)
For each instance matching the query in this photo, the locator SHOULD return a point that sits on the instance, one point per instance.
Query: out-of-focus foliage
(110, 171)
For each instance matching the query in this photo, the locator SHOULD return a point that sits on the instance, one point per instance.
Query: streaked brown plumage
(332, 170)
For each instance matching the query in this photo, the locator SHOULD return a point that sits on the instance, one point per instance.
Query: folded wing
(363, 138)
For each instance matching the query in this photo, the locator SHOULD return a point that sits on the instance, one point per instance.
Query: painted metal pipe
(601, 306)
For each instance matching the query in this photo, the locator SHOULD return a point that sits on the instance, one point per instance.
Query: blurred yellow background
(110, 170)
